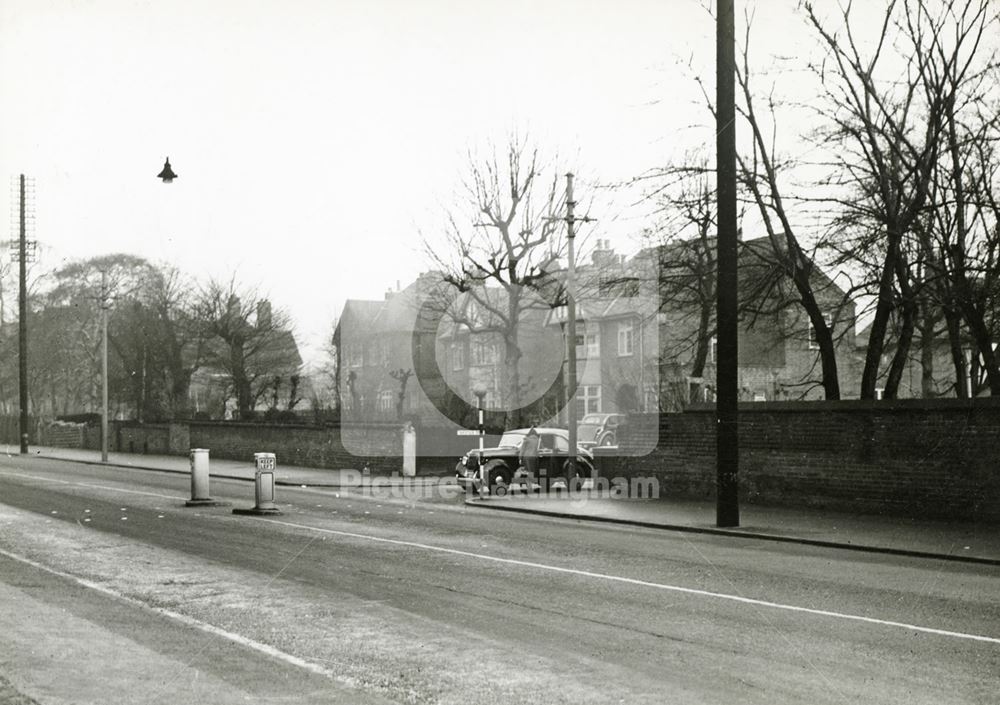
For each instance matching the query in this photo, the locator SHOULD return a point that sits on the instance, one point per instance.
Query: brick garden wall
(920, 458)
(308, 446)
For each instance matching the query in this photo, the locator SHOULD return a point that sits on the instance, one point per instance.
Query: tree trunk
(907, 324)
(880, 323)
(824, 333)
(512, 360)
(928, 322)
(902, 354)
(954, 322)
(180, 386)
(984, 341)
(241, 384)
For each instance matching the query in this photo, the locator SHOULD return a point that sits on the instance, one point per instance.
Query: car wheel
(583, 472)
(608, 439)
(498, 476)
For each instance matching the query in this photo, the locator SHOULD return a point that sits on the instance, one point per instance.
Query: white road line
(582, 573)
(182, 618)
(97, 487)
(646, 583)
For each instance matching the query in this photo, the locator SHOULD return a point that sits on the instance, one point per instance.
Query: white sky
(313, 140)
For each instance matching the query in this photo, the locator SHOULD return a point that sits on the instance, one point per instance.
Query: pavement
(969, 542)
(288, 475)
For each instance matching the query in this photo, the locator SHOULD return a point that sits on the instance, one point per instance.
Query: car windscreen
(511, 439)
(592, 418)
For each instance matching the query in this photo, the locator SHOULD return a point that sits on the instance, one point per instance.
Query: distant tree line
(177, 348)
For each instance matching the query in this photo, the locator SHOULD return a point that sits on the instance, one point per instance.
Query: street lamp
(104, 366)
(167, 174)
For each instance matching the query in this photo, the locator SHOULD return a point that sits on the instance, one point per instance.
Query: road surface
(114, 592)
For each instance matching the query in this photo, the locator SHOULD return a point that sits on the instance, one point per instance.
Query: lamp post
(104, 366)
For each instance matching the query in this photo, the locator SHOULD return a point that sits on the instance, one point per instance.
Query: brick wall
(62, 435)
(920, 458)
(295, 445)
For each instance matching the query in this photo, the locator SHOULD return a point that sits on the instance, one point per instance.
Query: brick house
(633, 347)
(778, 357)
(382, 347)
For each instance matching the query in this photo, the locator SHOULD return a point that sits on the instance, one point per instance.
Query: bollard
(409, 451)
(265, 465)
(199, 480)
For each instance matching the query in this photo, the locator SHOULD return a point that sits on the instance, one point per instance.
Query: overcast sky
(314, 141)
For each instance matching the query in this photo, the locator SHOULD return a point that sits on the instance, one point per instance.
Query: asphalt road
(115, 592)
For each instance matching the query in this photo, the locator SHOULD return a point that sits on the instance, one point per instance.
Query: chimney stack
(263, 313)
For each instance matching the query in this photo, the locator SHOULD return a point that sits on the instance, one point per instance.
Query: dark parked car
(503, 467)
(599, 429)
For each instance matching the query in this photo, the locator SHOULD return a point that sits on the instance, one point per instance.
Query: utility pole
(571, 221)
(727, 510)
(571, 327)
(22, 316)
(104, 367)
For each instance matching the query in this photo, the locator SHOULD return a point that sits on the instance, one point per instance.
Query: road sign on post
(265, 464)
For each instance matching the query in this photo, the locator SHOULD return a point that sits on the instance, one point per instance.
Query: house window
(474, 315)
(385, 400)
(588, 399)
(483, 353)
(713, 350)
(626, 334)
(589, 346)
(355, 356)
(457, 357)
(879, 393)
(813, 338)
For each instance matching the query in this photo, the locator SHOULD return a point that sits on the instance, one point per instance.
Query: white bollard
(265, 464)
(409, 451)
(199, 480)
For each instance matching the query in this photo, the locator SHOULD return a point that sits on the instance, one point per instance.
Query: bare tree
(887, 111)
(502, 250)
(763, 175)
(254, 343)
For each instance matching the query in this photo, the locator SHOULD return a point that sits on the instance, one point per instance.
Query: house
(386, 354)
(778, 354)
(259, 354)
(635, 345)
(930, 369)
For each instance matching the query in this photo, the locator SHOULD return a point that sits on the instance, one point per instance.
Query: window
(474, 315)
(626, 333)
(713, 350)
(355, 356)
(589, 346)
(813, 339)
(879, 393)
(483, 353)
(457, 357)
(385, 400)
(588, 399)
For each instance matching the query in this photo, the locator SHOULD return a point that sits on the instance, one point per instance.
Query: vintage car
(599, 429)
(503, 468)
